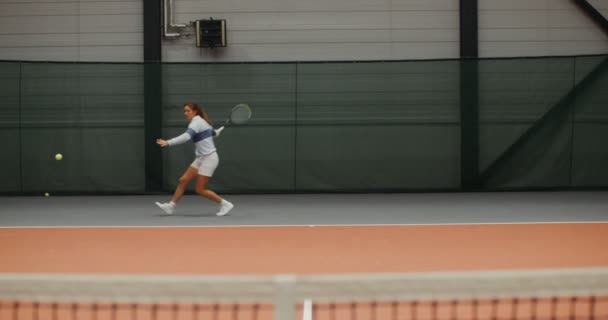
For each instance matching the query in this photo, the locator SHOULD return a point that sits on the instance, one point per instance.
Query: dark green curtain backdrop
(316, 127)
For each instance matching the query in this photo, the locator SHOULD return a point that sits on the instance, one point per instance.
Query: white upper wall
(79, 30)
(317, 30)
(510, 28)
(296, 30)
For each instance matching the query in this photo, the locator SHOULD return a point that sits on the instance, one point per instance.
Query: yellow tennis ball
(46, 194)
(58, 157)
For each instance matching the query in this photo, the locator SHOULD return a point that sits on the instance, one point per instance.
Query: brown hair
(199, 111)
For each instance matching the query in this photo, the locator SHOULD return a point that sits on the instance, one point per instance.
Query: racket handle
(218, 131)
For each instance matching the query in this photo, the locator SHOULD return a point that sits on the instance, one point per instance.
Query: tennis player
(201, 132)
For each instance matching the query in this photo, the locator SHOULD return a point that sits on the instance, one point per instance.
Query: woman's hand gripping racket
(240, 114)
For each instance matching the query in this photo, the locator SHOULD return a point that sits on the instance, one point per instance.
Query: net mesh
(545, 294)
(534, 123)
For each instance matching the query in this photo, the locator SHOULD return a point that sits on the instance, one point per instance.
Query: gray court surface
(309, 209)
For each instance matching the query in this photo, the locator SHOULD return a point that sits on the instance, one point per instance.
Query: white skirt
(206, 164)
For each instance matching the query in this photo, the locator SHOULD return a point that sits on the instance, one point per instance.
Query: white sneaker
(225, 208)
(166, 207)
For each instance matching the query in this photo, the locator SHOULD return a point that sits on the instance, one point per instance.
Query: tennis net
(568, 294)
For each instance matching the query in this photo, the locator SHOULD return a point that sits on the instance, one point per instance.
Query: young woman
(201, 133)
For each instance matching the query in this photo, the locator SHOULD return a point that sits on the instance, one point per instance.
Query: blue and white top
(201, 133)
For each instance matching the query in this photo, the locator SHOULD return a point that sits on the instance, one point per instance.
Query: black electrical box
(211, 33)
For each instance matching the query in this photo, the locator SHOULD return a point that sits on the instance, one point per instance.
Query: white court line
(307, 310)
(311, 226)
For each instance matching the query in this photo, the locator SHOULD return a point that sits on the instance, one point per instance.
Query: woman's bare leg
(201, 189)
(184, 180)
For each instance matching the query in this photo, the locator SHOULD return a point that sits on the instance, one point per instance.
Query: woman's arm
(162, 143)
(184, 137)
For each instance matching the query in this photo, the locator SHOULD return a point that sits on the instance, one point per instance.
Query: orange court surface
(303, 249)
(299, 250)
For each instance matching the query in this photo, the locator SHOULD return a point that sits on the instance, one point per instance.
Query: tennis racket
(240, 114)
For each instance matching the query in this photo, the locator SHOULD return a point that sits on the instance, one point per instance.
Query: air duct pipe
(168, 21)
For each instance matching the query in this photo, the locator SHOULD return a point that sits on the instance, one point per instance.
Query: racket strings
(240, 114)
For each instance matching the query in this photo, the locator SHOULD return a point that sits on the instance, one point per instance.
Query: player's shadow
(188, 215)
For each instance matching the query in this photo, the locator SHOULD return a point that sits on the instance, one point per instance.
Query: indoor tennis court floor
(309, 209)
(305, 233)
